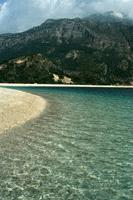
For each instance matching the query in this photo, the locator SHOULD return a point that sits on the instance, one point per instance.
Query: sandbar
(64, 85)
(17, 107)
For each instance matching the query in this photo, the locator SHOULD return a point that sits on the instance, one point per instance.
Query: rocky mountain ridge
(94, 50)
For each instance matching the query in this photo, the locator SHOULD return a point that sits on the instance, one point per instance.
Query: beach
(17, 107)
(79, 148)
(63, 85)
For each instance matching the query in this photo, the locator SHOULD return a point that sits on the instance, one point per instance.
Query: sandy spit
(17, 107)
(64, 85)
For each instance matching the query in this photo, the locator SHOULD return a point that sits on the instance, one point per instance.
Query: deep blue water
(81, 147)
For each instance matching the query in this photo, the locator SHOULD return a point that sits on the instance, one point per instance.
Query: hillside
(32, 69)
(94, 50)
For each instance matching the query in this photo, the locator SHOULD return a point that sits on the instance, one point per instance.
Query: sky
(2, 1)
(20, 15)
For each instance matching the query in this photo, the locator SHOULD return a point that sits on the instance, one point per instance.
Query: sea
(80, 148)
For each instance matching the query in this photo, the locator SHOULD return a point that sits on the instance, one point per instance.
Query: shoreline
(17, 108)
(64, 85)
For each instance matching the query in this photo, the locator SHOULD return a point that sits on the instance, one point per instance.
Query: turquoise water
(80, 148)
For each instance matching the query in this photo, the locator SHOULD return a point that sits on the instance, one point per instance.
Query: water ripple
(81, 148)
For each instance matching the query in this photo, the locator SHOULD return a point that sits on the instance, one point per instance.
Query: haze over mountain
(18, 16)
(92, 50)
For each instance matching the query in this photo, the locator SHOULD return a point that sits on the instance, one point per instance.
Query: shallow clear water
(81, 147)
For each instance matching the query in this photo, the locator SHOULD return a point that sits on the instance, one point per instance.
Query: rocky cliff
(95, 50)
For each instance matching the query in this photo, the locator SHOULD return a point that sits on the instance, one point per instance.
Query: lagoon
(81, 147)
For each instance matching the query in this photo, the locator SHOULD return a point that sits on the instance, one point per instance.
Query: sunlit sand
(18, 107)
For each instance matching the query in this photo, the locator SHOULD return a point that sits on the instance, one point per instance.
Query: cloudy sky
(20, 15)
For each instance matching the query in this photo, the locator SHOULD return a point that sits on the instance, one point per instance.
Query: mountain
(94, 50)
(32, 69)
(111, 16)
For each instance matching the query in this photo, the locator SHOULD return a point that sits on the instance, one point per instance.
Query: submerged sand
(17, 107)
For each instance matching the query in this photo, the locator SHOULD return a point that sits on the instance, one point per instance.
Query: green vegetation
(95, 50)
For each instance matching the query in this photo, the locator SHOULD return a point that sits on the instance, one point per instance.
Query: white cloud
(19, 15)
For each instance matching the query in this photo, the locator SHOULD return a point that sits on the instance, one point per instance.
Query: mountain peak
(111, 16)
(116, 14)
